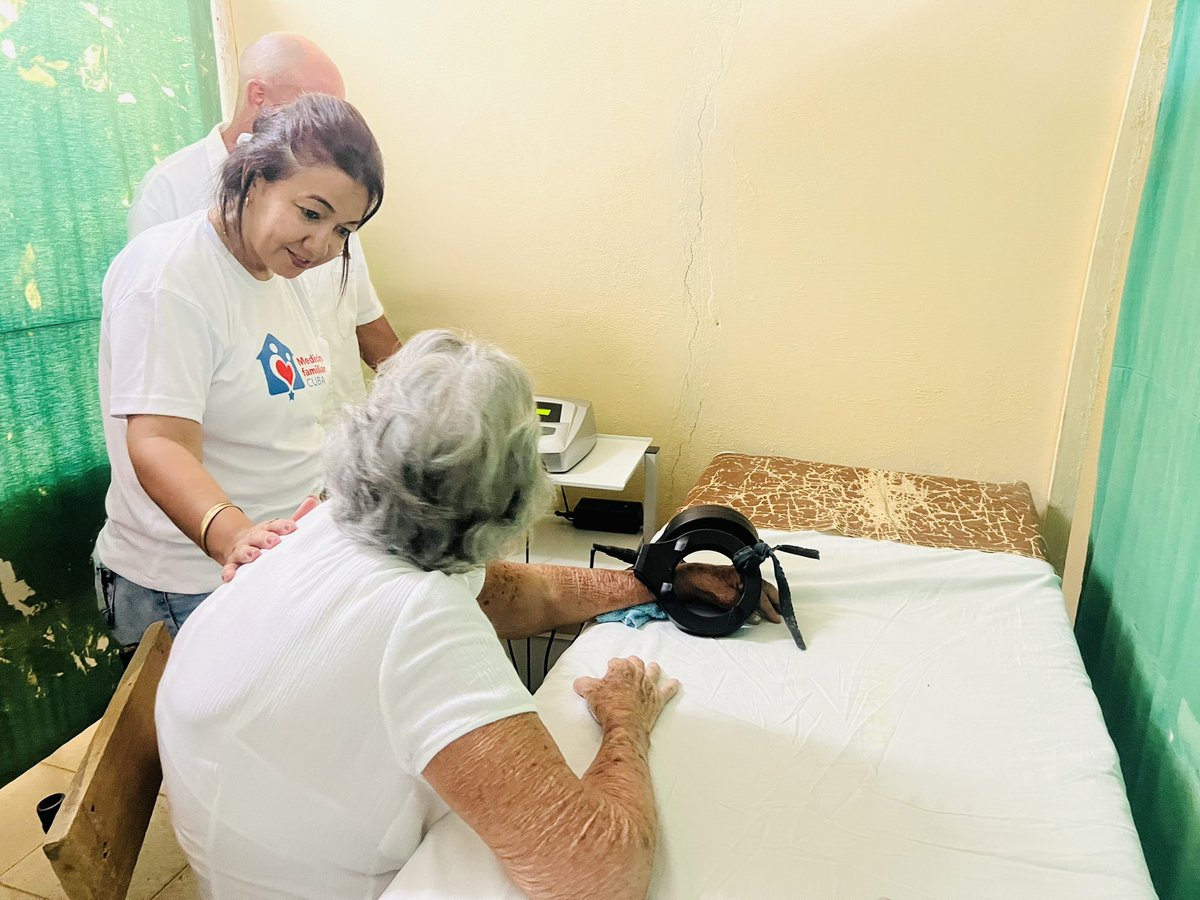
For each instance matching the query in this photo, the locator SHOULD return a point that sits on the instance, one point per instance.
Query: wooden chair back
(95, 839)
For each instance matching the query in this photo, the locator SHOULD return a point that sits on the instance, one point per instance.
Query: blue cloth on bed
(634, 616)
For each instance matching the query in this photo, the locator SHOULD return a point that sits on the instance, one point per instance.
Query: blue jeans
(130, 608)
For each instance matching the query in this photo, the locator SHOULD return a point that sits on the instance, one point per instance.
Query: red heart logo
(284, 371)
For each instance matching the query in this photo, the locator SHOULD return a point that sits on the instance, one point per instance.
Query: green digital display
(548, 410)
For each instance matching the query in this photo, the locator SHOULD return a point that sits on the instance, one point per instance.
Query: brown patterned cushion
(926, 510)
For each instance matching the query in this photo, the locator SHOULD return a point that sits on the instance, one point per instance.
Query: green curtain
(1139, 614)
(92, 95)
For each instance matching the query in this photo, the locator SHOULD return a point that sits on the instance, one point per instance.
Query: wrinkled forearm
(523, 600)
(558, 836)
(620, 774)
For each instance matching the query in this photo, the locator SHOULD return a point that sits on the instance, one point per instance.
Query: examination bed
(939, 737)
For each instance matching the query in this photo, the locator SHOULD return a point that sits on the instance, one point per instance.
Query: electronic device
(594, 514)
(722, 530)
(568, 431)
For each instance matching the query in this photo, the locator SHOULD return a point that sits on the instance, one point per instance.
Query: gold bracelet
(208, 520)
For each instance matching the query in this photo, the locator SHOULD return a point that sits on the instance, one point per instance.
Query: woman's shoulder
(452, 588)
(462, 586)
(332, 523)
(179, 257)
(415, 594)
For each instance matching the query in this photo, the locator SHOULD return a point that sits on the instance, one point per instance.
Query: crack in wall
(699, 302)
(690, 295)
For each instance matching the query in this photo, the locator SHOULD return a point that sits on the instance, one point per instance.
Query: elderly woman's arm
(523, 600)
(558, 835)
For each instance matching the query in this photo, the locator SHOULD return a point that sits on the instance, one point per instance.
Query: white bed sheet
(939, 738)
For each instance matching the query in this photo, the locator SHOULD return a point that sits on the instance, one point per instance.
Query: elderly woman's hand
(249, 543)
(719, 586)
(628, 695)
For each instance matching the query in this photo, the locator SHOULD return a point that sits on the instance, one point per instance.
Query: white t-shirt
(186, 331)
(303, 700)
(185, 182)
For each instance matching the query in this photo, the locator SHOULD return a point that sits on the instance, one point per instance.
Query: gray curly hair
(439, 464)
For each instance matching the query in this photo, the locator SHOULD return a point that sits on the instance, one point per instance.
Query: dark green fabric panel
(1139, 615)
(58, 667)
(91, 101)
(92, 96)
(49, 410)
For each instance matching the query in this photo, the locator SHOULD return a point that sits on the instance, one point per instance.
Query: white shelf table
(610, 465)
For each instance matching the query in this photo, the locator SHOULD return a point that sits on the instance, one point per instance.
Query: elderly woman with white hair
(323, 709)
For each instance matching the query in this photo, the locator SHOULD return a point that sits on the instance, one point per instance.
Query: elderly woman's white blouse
(302, 701)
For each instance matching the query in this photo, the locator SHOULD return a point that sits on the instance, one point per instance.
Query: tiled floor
(161, 873)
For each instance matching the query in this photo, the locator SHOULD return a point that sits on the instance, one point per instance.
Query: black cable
(546, 660)
(528, 641)
(624, 554)
(529, 664)
(565, 512)
(620, 553)
(578, 632)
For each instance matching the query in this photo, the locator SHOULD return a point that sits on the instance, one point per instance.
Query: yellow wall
(841, 230)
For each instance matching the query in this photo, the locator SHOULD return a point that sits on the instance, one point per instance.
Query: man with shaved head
(274, 70)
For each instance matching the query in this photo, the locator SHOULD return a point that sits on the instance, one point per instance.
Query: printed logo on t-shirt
(280, 368)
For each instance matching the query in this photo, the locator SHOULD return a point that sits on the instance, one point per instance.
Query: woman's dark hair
(312, 130)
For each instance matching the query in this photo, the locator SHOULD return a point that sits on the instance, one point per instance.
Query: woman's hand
(249, 543)
(628, 695)
(720, 586)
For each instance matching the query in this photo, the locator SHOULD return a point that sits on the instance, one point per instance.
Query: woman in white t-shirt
(213, 371)
(324, 708)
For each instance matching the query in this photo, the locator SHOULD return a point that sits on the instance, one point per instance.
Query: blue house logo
(280, 368)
